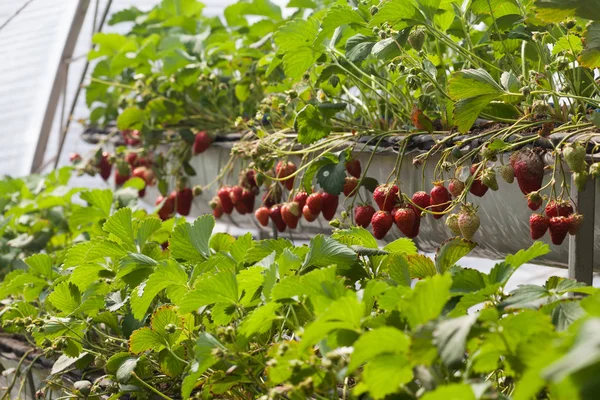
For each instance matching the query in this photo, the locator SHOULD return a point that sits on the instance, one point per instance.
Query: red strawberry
(300, 198)
(353, 167)
(290, 213)
(131, 138)
(308, 215)
(283, 170)
(350, 186)
(184, 201)
(122, 174)
(575, 221)
(145, 161)
(201, 142)
(168, 207)
(538, 225)
(386, 197)
(141, 193)
(225, 198)
(249, 179)
(456, 187)
(105, 166)
(235, 192)
(262, 216)
(74, 158)
(534, 201)
(477, 187)
(363, 214)
(215, 204)
(144, 173)
(440, 199)
(422, 200)
(382, 222)
(404, 218)
(131, 158)
(558, 208)
(559, 227)
(248, 198)
(330, 204)
(529, 170)
(275, 214)
(273, 196)
(315, 203)
(415, 230)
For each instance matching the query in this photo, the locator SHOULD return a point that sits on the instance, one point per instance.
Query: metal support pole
(581, 246)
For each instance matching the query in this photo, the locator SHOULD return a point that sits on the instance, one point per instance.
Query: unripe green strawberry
(452, 223)
(416, 38)
(488, 178)
(488, 154)
(468, 221)
(574, 154)
(581, 179)
(595, 170)
(507, 173)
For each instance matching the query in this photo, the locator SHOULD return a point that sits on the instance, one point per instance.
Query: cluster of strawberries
(559, 219)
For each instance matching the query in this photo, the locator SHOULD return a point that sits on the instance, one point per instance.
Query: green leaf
(450, 337)
(41, 264)
(500, 8)
(590, 57)
(131, 118)
(146, 229)
(384, 340)
(221, 242)
(163, 316)
(399, 269)
(310, 125)
(264, 248)
(536, 250)
(565, 313)
(127, 15)
(420, 266)
(452, 391)
(325, 251)
(125, 371)
(144, 339)
(386, 373)
(359, 47)
(395, 11)
(467, 111)
(558, 10)
(221, 287)
(119, 224)
(65, 297)
(190, 242)
(331, 177)
(471, 83)
(99, 198)
(451, 251)
(63, 362)
(260, 320)
(356, 236)
(402, 245)
(570, 44)
(171, 364)
(427, 300)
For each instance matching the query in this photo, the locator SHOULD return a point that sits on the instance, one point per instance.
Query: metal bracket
(581, 246)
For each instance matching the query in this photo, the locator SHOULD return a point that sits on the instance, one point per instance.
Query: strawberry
(507, 173)
(405, 217)
(477, 187)
(144, 173)
(468, 221)
(131, 158)
(300, 198)
(581, 179)
(275, 214)
(353, 167)
(225, 198)
(538, 225)
(575, 221)
(145, 161)
(456, 187)
(382, 222)
(197, 190)
(235, 192)
(184, 201)
(131, 138)
(330, 204)
(141, 193)
(262, 216)
(574, 154)
(595, 170)
(440, 199)
(248, 198)
(386, 196)
(422, 200)
(105, 166)
(488, 178)
(290, 213)
(283, 170)
(308, 215)
(350, 186)
(202, 142)
(559, 227)
(215, 204)
(534, 200)
(75, 158)
(248, 179)
(558, 208)
(452, 223)
(123, 173)
(363, 214)
(415, 230)
(529, 170)
(315, 203)
(168, 205)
